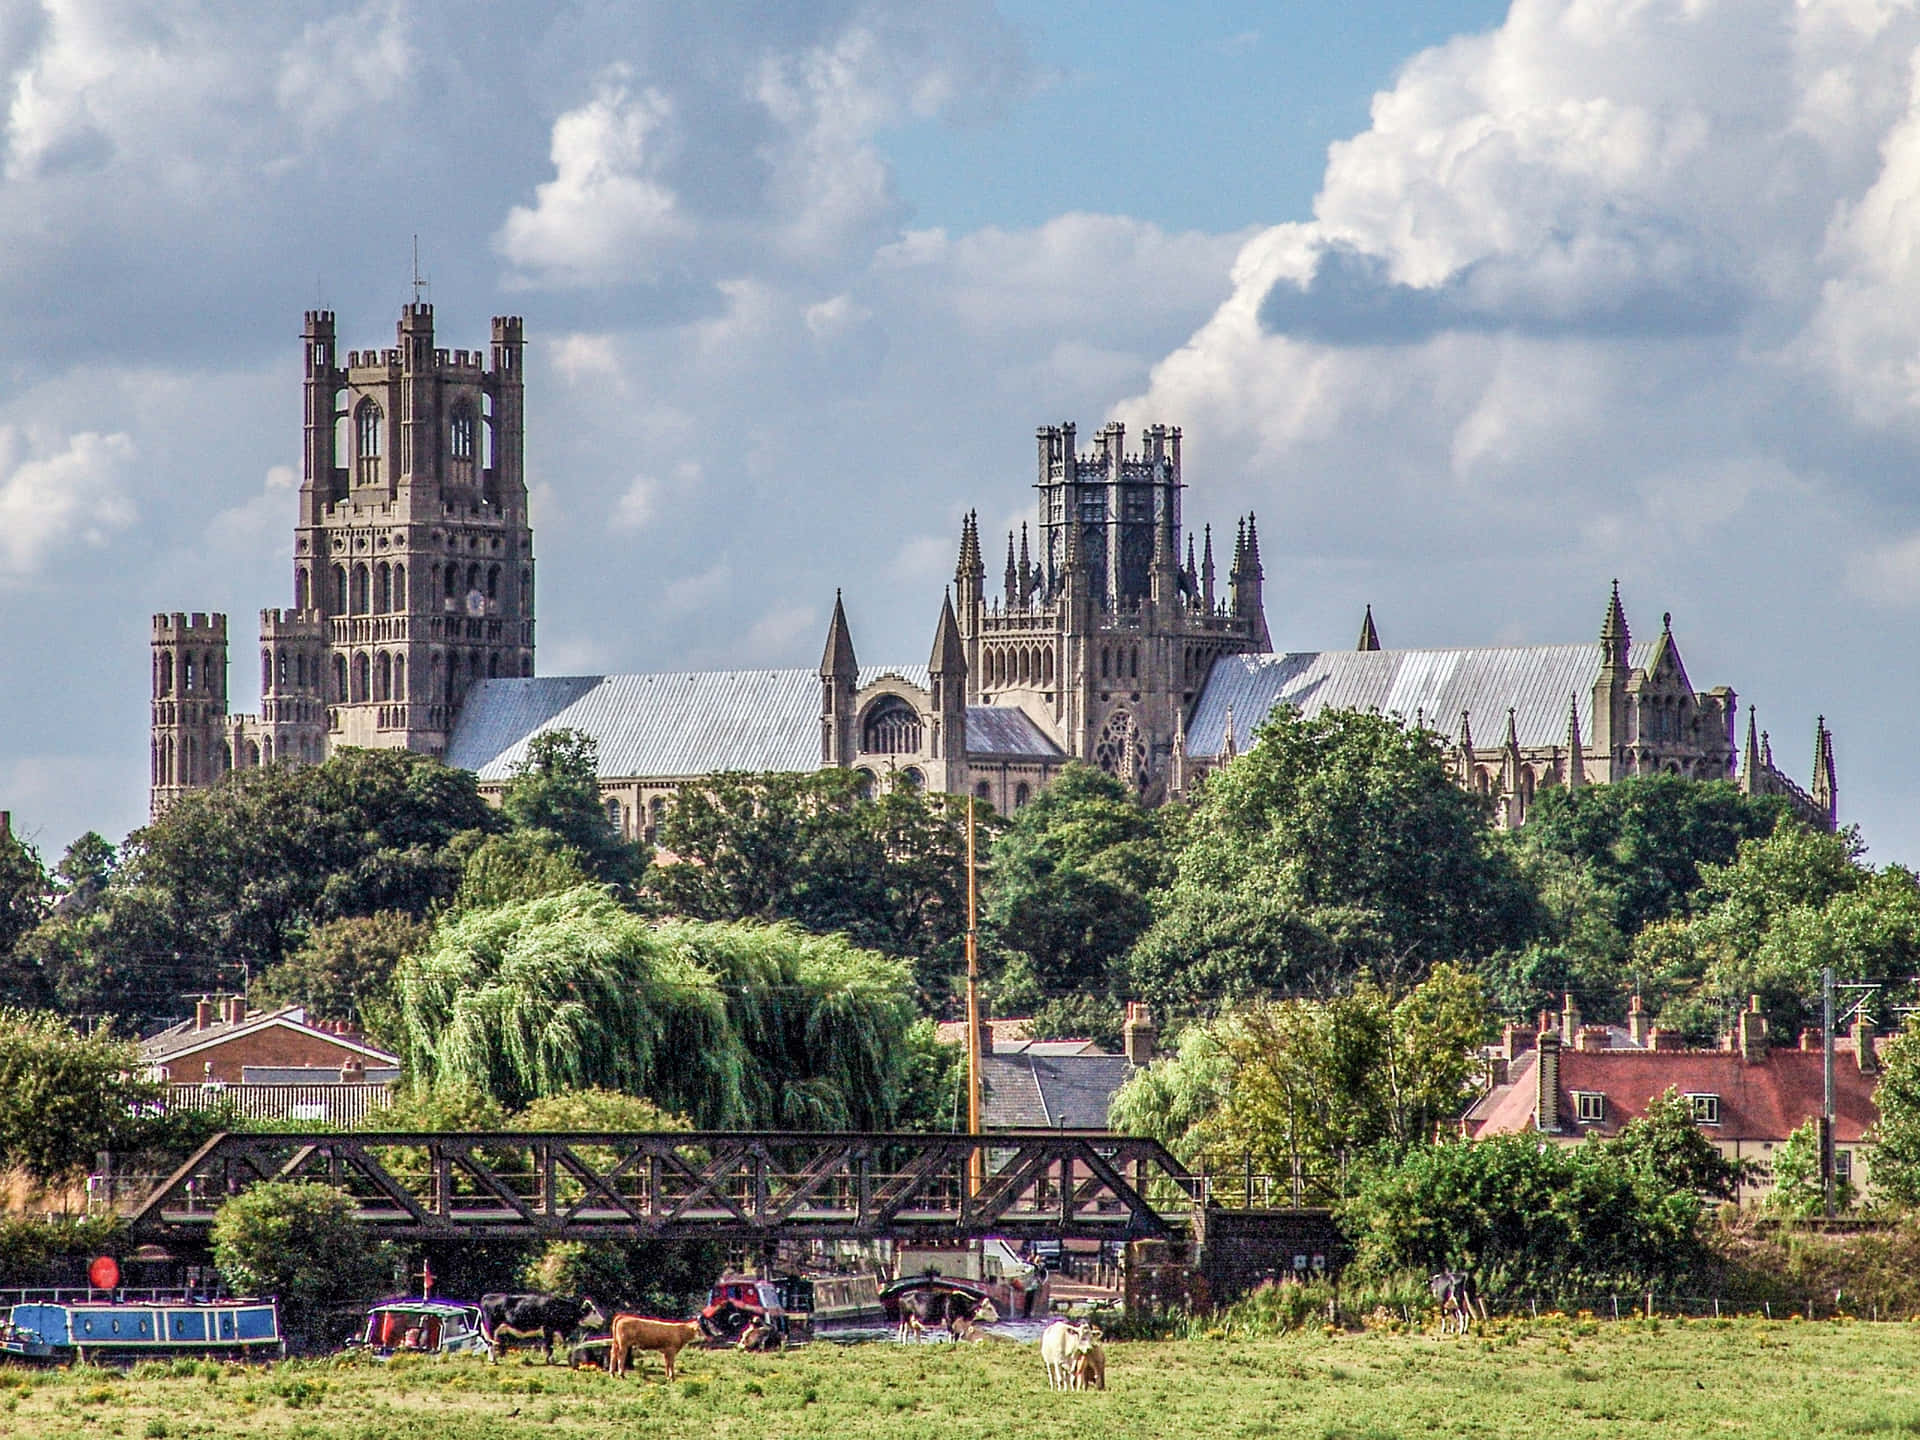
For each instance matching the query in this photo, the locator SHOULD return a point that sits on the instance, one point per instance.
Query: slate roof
(1007, 730)
(1760, 1100)
(1535, 680)
(678, 723)
(1033, 1089)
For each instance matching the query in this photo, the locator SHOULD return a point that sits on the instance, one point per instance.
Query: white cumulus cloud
(53, 494)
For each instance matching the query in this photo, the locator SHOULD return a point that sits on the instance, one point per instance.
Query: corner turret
(839, 679)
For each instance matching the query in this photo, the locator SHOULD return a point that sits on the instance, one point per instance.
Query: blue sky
(1215, 115)
(1479, 306)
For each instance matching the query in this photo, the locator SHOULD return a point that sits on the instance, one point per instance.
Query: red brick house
(270, 1064)
(1572, 1080)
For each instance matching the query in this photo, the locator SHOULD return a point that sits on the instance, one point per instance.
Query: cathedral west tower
(412, 563)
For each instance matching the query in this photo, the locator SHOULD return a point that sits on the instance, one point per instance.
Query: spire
(1369, 637)
(1576, 761)
(970, 567)
(1227, 747)
(1825, 785)
(1766, 750)
(1193, 570)
(1750, 757)
(1466, 733)
(1206, 570)
(1013, 576)
(837, 660)
(1614, 635)
(949, 655)
(1512, 742)
(1026, 568)
(1239, 554)
(1253, 548)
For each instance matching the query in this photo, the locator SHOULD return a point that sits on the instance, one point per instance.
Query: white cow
(1062, 1349)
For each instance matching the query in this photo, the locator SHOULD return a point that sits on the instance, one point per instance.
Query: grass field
(1546, 1378)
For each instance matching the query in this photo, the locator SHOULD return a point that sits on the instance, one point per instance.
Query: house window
(1589, 1106)
(1706, 1109)
(1843, 1164)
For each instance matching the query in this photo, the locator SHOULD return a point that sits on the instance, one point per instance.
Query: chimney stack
(1591, 1038)
(1515, 1041)
(1863, 1049)
(1569, 1022)
(1546, 1074)
(1637, 1023)
(1137, 1034)
(236, 1009)
(1750, 1033)
(202, 1013)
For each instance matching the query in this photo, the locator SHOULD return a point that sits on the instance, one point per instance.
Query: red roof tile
(1760, 1100)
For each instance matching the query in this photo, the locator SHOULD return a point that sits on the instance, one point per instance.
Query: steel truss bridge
(735, 1186)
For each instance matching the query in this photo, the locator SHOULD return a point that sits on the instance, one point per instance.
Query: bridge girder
(727, 1185)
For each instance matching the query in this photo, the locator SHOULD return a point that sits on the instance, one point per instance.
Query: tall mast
(976, 1166)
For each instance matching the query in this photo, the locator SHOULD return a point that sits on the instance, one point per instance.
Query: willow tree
(730, 1024)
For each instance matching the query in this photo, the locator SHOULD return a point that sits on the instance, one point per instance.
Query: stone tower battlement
(189, 706)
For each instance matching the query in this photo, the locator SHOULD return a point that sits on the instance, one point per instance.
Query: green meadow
(1561, 1378)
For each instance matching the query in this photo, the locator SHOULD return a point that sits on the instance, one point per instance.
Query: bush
(300, 1244)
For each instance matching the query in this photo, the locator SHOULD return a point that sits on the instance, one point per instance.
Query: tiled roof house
(1570, 1080)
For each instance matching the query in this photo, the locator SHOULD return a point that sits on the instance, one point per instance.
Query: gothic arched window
(339, 589)
(368, 422)
(892, 727)
(360, 677)
(383, 589)
(302, 589)
(399, 677)
(362, 590)
(266, 670)
(383, 678)
(910, 779)
(493, 582)
(340, 678)
(1021, 794)
(460, 433)
(399, 587)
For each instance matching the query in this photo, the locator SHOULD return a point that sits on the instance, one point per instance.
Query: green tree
(888, 872)
(344, 971)
(1350, 824)
(1528, 1219)
(68, 1096)
(1787, 906)
(729, 1024)
(555, 789)
(523, 865)
(1318, 1082)
(300, 1244)
(240, 873)
(1667, 1146)
(1178, 1098)
(1797, 1191)
(1067, 898)
(1896, 1134)
(24, 900)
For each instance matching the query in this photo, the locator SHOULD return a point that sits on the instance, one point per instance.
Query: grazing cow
(1061, 1346)
(535, 1317)
(1456, 1295)
(1090, 1366)
(638, 1332)
(926, 1310)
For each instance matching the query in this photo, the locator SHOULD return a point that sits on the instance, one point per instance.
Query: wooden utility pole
(976, 1163)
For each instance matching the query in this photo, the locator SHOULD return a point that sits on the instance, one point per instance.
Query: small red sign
(104, 1273)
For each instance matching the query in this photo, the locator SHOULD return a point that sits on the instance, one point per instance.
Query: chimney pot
(1637, 1022)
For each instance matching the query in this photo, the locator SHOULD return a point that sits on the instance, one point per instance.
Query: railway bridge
(729, 1185)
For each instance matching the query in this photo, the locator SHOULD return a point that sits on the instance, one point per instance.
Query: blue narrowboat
(113, 1328)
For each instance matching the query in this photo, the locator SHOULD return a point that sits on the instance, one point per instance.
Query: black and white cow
(1456, 1295)
(536, 1317)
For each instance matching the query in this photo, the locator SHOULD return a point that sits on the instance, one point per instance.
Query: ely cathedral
(1111, 638)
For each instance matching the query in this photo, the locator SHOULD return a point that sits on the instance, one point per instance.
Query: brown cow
(1090, 1366)
(638, 1332)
